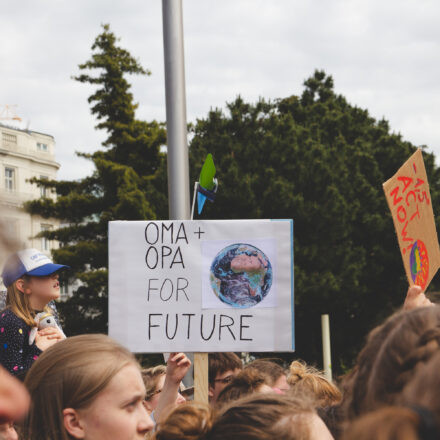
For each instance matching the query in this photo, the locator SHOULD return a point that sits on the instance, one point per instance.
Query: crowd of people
(90, 387)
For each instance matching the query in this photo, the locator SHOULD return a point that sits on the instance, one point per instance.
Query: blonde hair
(190, 421)
(70, 374)
(305, 379)
(18, 302)
(151, 377)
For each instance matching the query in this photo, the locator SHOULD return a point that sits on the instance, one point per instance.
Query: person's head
(31, 280)
(248, 381)
(154, 380)
(269, 416)
(222, 368)
(14, 398)
(191, 421)
(277, 375)
(305, 379)
(259, 417)
(416, 417)
(355, 383)
(392, 423)
(406, 348)
(86, 387)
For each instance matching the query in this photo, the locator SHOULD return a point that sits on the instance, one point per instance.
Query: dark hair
(269, 368)
(391, 358)
(388, 423)
(333, 417)
(261, 417)
(264, 417)
(221, 362)
(423, 390)
(410, 345)
(244, 383)
(354, 384)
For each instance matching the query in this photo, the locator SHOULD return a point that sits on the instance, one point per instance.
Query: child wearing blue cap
(31, 280)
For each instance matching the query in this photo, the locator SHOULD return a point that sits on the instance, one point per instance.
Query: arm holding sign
(415, 297)
(177, 366)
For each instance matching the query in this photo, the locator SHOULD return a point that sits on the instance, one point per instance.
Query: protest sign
(201, 286)
(409, 200)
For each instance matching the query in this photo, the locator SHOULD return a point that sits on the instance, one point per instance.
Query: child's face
(44, 288)
(118, 411)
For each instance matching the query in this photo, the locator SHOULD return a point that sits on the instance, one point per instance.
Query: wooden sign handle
(201, 377)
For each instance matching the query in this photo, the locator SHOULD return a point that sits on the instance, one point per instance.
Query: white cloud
(382, 55)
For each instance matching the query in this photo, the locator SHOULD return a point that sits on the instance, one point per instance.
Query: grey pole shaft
(178, 168)
(326, 351)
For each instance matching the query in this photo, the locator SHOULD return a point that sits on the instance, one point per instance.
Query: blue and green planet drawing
(241, 275)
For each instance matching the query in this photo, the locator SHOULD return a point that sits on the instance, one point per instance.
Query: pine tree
(125, 185)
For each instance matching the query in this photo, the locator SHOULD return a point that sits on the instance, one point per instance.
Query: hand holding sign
(409, 200)
(415, 297)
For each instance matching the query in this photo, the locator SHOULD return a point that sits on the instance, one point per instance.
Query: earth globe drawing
(241, 275)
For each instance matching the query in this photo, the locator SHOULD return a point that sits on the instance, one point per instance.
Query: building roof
(10, 127)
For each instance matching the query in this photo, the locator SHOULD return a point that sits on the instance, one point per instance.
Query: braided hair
(406, 349)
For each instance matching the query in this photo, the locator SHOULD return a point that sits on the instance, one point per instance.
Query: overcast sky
(383, 56)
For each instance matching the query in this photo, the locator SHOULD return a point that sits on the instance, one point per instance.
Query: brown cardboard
(409, 200)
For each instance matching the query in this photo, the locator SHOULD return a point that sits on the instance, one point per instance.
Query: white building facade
(25, 154)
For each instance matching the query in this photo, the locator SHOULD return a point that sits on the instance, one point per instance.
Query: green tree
(321, 161)
(126, 183)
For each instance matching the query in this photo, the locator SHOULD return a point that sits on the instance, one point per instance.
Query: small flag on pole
(207, 186)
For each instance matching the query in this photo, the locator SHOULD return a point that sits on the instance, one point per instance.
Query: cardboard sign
(409, 200)
(201, 286)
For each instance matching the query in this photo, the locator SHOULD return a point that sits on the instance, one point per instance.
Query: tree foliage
(126, 183)
(314, 158)
(321, 161)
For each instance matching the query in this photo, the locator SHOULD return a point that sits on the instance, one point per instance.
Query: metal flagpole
(178, 168)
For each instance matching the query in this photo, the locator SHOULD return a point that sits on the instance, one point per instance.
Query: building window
(43, 189)
(9, 179)
(42, 147)
(9, 139)
(45, 242)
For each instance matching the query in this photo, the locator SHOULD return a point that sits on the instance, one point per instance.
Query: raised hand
(415, 297)
(177, 366)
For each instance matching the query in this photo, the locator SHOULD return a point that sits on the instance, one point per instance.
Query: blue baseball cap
(28, 262)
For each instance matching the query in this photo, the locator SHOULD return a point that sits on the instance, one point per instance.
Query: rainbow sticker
(419, 264)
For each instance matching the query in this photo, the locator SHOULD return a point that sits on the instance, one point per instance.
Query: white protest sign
(201, 286)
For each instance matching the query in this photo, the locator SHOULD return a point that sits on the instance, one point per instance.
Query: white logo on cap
(32, 258)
